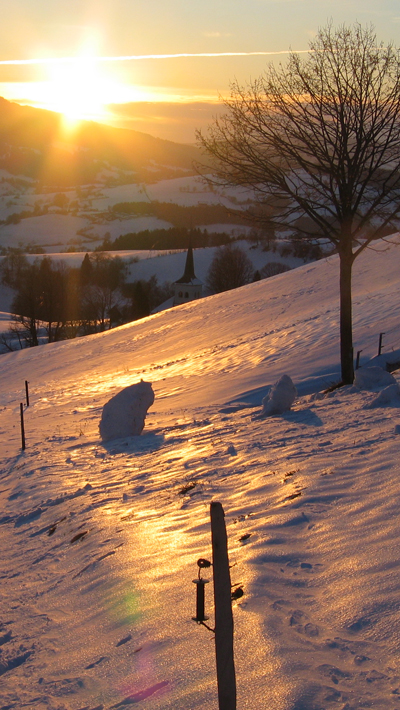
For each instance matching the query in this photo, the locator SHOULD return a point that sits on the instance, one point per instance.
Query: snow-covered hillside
(100, 541)
(82, 217)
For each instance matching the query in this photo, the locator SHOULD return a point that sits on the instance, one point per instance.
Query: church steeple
(188, 287)
(188, 275)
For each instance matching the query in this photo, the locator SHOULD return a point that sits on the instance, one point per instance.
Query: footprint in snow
(77, 537)
(292, 496)
(347, 647)
(303, 566)
(124, 640)
(280, 604)
(5, 638)
(142, 695)
(96, 663)
(299, 621)
(333, 672)
(14, 661)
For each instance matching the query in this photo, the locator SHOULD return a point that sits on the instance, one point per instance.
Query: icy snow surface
(100, 541)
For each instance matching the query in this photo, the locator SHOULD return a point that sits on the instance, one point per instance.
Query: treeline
(172, 238)
(15, 217)
(180, 215)
(180, 237)
(53, 302)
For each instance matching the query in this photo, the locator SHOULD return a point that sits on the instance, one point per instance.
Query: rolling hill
(36, 144)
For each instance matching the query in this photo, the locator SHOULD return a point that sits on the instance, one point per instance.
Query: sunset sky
(117, 61)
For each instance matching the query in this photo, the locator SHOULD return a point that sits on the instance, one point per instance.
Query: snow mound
(372, 378)
(388, 361)
(280, 397)
(124, 414)
(388, 396)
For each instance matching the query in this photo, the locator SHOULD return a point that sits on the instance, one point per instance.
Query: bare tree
(102, 279)
(230, 268)
(319, 140)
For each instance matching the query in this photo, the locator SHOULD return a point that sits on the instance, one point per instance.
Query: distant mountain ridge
(35, 144)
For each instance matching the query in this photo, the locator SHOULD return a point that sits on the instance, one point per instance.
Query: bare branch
(319, 140)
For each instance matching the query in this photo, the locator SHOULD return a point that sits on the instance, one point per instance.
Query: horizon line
(135, 57)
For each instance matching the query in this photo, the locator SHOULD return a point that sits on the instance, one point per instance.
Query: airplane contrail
(133, 57)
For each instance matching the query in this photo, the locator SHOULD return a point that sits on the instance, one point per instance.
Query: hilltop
(35, 143)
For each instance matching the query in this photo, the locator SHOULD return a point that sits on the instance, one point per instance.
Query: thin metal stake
(27, 393)
(200, 600)
(21, 409)
(358, 359)
(380, 343)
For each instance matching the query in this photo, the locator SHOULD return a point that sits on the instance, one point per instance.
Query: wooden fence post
(223, 611)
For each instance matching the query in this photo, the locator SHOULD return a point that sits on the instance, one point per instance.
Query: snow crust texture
(125, 413)
(99, 541)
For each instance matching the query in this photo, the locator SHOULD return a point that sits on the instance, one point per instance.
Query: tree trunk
(33, 331)
(346, 317)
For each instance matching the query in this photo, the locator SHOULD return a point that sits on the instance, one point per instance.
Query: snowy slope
(100, 542)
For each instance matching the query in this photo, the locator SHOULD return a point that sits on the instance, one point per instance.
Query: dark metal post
(358, 359)
(380, 343)
(200, 600)
(223, 611)
(27, 393)
(21, 409)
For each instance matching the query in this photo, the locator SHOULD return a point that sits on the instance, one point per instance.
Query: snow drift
(124, 414)
(280, 398)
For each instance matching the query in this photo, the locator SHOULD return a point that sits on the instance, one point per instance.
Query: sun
(83, 88)
(78, 89)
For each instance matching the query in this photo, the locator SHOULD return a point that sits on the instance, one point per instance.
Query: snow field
(100, 541)
(90, 213)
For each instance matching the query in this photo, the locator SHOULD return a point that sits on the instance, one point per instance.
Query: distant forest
(172, 238)
(179, 215)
